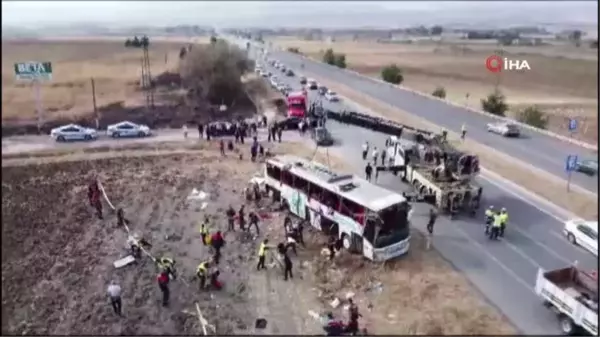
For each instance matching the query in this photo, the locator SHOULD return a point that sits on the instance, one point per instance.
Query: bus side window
(369, 232)
(273, 172)
(330, 200)
(316, 192)
(353, 210)
(301, 184)
(287, 177)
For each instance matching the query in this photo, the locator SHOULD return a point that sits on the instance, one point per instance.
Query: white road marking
(544, 246)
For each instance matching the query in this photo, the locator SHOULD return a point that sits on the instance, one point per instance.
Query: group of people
(495, 222)
(335, 327)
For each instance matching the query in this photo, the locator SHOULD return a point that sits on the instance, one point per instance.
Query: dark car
(322, 90)
(303, 80)
(322, 136)
(588, 166)
(290, 72)
(290, 123)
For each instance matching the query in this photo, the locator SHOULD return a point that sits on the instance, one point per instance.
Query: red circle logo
(494, 63)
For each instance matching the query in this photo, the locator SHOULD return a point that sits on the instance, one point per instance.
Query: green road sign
(31, 71)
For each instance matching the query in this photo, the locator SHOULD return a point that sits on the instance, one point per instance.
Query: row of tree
(335, 59)
(138, 42)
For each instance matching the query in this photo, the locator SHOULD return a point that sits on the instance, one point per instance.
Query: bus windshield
(388, 226)
(296, 105)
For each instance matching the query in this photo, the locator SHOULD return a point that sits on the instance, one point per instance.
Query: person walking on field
(114, 292)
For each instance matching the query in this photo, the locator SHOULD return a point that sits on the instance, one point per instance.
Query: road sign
(572, 124)
(571, 163)
(33, 71)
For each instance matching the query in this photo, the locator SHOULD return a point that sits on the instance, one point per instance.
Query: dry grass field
(563, 81)
(115, 69)
(57, 257)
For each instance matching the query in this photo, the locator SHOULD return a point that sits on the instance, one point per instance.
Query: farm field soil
(563, 80)
(57, 257)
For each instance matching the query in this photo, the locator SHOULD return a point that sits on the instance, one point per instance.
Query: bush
(213, 73)
(340, 60)
(495, 104)
(329, 57)
(533, 116)
(439, 92)
(294, 50)
(213, 39)
(392, 74)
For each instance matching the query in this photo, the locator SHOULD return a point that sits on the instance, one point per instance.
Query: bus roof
(349, 186)
(296, 94)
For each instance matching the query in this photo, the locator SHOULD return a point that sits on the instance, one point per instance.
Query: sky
(32, 14)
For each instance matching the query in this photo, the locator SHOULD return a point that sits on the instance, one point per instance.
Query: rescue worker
(352, 326)
(365, 150)
(121, 220)
(136, 244)
(287, 267)
(230, 218)
(496, 227)
(167, 265)
(203, 232)
(503, 221)
(217, 242)
(444, 135)
(253, 217)
(242, 219)
(431, 222)
(331, 243)
(257, 194)
(287, 224)
(114, 293)
(368, 171)
(253, 151)
(383, 155)
(463, 131)
(163, 284)
(262, 251)
(222, 147)
(332, 326)
(298, 231)
(489, 218)
(94, 197)
(200, 130)
(375, 155)
(290, 244)
(202, 273)
(279, 133)
(214, 280)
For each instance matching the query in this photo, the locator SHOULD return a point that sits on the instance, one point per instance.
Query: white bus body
(369, 219)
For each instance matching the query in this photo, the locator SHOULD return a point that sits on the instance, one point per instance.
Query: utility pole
(96, 116)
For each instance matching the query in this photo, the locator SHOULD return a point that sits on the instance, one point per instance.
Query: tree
(182, 52)
(128, 43)
(437, 30)
(213, 73)
(135, 42)
(439, 92)
(392, 74)
(533, 116)
(340, 60)
(495, 103)
(145, 42)
(213, 39)
(576, 37)
(329, 57)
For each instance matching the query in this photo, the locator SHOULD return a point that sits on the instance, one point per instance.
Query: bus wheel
(350, 243)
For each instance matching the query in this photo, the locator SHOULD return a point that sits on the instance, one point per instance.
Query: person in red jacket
(163, 284)
(217, 242)
(94, 197)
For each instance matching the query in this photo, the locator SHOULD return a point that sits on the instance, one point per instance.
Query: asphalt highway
(537, 149)
(504, 271)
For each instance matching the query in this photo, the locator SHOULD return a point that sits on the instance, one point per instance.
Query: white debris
(335, 303)
(349, 295)
(313, 314)
(204, 205)
(124, 261)
(197, 195)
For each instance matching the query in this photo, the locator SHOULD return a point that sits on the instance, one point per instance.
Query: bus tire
(307, 214)
(351, 243)
(567, 326)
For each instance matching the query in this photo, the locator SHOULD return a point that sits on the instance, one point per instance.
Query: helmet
(503, 209)
(491, 207)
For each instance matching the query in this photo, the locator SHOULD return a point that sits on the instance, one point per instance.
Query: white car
(263, 73)
(504, 129)
(332, 96)
(583, 233)
(73, 132)
(274, 81)
(127, 129)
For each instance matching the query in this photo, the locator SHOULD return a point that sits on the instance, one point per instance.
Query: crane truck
(441, 174)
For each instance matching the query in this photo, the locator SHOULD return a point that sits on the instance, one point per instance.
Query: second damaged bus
(370, 220)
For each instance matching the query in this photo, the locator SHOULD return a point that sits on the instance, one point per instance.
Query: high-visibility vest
(203, 229)
(201, 268)
(497, 220)
(504, 218)
(262, 249)
(489, 213)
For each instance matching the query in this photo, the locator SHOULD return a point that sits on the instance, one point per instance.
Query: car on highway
(283, 68)
(332, 96)
(322, 136)
(583, 233)
(274, 81)
(587, 166)
(128, 129)
(312, 84)
(73, 132)
(505, 129)
(263, 73)
(303, 80)
(322, 90)
(290, 73)
(290, 123)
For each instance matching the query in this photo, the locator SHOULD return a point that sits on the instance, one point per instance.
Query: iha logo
(497, 64)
